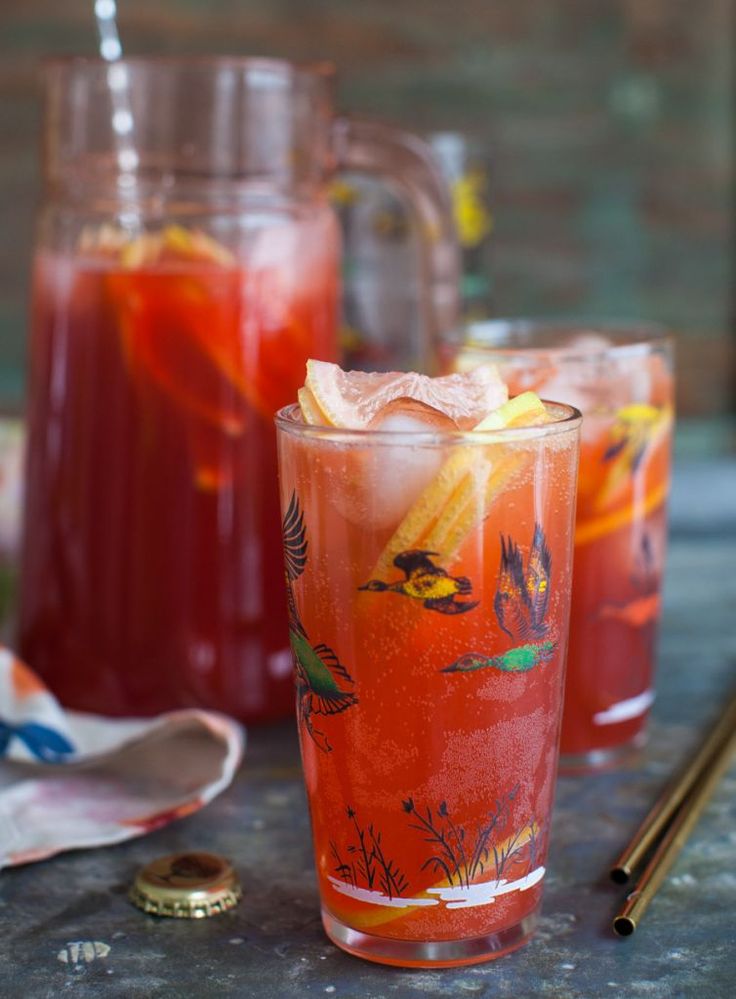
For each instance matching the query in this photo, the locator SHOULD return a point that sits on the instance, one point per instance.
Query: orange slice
(178, 294)
(181, 333)
(356, 399)
(593, 528)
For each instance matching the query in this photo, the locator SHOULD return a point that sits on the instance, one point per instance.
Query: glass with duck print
(428, 577)
(622, 381)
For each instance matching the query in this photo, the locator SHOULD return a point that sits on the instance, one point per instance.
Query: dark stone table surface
(272, 945)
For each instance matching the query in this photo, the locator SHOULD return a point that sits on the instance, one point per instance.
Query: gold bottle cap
(186, 886)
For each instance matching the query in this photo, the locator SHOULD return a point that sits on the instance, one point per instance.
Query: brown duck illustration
(427, 582)
(522, 596)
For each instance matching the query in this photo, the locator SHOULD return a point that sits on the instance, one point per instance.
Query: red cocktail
(622, 382)
(429, 574)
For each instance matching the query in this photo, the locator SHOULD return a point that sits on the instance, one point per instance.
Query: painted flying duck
(428, 583)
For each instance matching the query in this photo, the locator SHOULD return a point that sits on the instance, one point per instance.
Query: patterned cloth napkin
(71, 780)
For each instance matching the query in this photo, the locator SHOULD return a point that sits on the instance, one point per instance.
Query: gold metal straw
(637, 902)
(672, 798)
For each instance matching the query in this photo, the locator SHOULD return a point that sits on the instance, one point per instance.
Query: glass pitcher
(186, 267)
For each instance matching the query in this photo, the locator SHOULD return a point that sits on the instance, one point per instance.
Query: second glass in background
(621, 378)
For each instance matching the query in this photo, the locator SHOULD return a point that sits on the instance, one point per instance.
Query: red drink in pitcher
(429, 575)
(152, 567)
(187, 266)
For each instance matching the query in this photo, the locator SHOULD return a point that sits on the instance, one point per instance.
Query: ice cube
(293, 255)
(285, 267)
(589, 342)
(275, 246)
(630, 380)
(611, 378)
(377, 484)
(564, 386)
(409, 416)
(596, 382)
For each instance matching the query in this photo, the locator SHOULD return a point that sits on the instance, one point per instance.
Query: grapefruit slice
(356, 400)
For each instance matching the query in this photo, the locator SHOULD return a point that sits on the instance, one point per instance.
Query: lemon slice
(196, 245)
(525, 410)
(142, 251)
(464, 489)
(175, 242)
(311, 412)
(636, 432)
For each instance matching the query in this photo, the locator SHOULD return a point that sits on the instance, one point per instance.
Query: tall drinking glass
(186, 268)
(622, 380)
(428, 579)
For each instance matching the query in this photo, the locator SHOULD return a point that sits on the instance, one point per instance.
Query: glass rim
(322, 70)
(630, 338)
(568, 420)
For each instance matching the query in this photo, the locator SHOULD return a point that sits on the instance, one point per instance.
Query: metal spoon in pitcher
(123, 123)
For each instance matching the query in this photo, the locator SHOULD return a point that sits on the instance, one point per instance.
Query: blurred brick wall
(610, 125)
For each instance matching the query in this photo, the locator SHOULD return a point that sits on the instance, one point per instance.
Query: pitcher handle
(364, 146)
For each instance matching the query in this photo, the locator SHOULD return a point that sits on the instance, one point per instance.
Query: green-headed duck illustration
(518, 660)
(321, 679)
